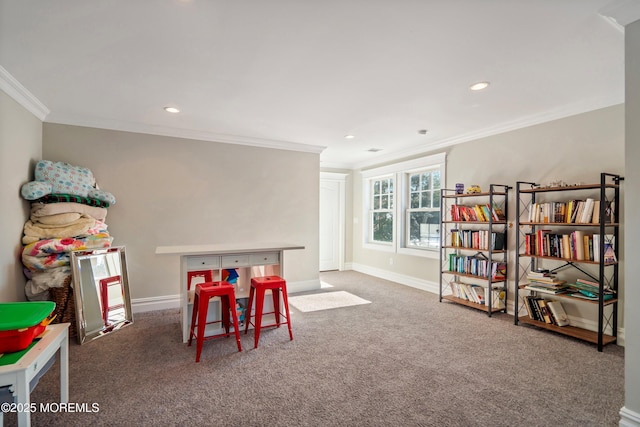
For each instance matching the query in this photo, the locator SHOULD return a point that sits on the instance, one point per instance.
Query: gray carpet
(405, 359)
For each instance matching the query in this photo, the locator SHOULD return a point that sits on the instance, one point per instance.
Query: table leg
(23, 399)
(64, 369)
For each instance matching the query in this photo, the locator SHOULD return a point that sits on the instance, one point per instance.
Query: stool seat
(203, 293)
(278, 286)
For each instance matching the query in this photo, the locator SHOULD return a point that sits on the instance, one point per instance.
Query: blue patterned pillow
(63, 178)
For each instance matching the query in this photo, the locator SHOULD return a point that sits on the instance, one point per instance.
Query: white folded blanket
(34, 231)
(45, 209)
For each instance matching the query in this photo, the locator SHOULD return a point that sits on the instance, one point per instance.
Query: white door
(331, 223)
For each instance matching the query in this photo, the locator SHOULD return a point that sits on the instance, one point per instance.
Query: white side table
(20, 374)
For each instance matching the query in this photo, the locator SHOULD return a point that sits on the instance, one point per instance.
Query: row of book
(480, 213)
(478, 294)
(477, 265)
(573, 211)
(576, 245)
(547, 311)
(477, 239)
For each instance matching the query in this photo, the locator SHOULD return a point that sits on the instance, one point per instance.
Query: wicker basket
(65, 305)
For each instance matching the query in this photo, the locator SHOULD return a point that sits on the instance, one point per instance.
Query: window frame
(409, 210)
(400, 172)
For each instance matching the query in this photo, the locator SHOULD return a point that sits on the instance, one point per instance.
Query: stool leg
(236, 326)
(285, 301)
(275, 294)
(224, 303)
(247, 316)
(203, 307)
(258, 319)
(194, 313)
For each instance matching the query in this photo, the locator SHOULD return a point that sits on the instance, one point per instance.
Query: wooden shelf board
(495, 251)
(484, 193)
(571, 331)
(573, 224)
(568, 296)
(471, 304)
(567, 188)
(582, 261)
(500, 222)
(472, 276)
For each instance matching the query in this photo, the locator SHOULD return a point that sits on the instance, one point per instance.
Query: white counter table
(246, 260)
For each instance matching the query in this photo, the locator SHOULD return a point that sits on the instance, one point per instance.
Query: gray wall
(20, 149)
(172, 191)
(632, 181)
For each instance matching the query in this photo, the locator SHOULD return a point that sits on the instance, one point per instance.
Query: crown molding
(622, 12)
(21, 95)
(185, 133)
(547, 116)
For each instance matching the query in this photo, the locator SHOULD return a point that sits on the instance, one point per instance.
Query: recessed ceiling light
(422, 131)
(349, 136)
(374, 150)
(171, 110)
(479, 86)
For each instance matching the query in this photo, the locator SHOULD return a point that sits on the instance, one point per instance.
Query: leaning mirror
(101, 289)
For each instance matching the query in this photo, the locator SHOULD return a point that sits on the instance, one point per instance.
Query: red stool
(204, 292)
(207, 274)
(258, 287)
(104, 296)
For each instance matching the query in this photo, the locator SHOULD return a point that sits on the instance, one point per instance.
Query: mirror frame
(77, 257)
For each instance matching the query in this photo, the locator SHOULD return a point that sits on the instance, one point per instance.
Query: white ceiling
(301, 74)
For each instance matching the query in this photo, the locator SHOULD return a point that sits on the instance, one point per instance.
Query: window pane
(390, 186)
(376, 187)
(385, 186)
(436, 180)
(376, 202)
(436, 199)
(385, 202)
(415, 182)
(424, 229)
(426, 199)
(426, 181)
(415, 200)
(382, 227)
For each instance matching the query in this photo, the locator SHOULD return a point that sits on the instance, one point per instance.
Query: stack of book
(545, 282)
(547, 311)
(589, 290)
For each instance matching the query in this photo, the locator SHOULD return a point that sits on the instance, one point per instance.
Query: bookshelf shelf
(583, 249)
(571, 331)
(472, 276)
(569, 297)
(464, 248)
(567, 260)
(473, 248)
(564, 224)
(471, 304)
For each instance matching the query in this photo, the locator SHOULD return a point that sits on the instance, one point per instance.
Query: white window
(402, 206)
(381, 211)
(422, 218)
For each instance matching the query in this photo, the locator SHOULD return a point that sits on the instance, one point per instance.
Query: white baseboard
(629, 418)
(142, 305)
(166, 302)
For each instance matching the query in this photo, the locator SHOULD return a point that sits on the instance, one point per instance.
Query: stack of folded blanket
(59, 224)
